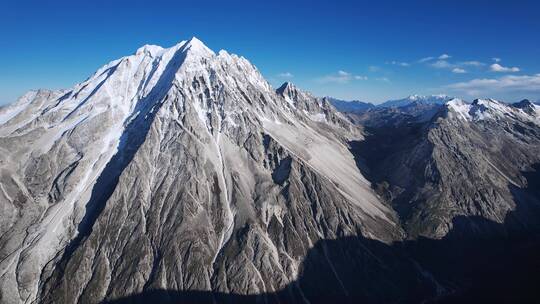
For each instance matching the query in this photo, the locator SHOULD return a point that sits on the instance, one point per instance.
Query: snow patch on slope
(459, 107)
(11, 111)
(490, 109)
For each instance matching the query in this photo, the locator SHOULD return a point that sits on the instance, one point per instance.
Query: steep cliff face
(175, 169)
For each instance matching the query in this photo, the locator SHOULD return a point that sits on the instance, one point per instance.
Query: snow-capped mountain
(355, 106)
(419, 99)
(491, 109)
(416, 105)
(173, 168)
(459, 160)
(526, 105)
(180, 175)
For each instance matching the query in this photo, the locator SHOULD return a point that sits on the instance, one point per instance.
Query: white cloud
(285, 75)
(499, 68)
(383, 79)
(489, 86)
(444, 56)
(341, 77)
(496, 59)
(403, 64)
(442, 64)
(374, 68)
(425, 59)
(456, 67)
(473, 63)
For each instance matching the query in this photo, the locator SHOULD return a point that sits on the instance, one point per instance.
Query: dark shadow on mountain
(381, 143)
(281, 173)
(499, 265)
(384, 158)
(133, 136)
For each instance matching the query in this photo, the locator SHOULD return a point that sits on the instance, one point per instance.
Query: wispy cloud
(383, 79)
(442, 64)
(496, 59)
(499, 68)
(286, 75)
(444, 56)
(341, 77)
(399, 63)
(374, 68)
(456, 67)
(473, 63)
(425, 59)
(490, 86)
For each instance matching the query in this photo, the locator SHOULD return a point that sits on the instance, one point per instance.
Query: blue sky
(347, 49)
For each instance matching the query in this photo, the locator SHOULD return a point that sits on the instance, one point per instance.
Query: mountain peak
(455, 102)
(523, 103)
(414, 97)
(191, 46)
(526, 106)
(286, 86)
(197, 46)
(149, 49)
(485, 101)
(459, 107)
(420, 99)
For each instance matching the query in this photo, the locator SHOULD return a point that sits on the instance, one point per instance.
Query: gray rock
(176, 169)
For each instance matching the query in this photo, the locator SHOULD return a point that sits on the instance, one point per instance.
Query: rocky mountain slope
(466, 160)
(180, 174)
(174, 169)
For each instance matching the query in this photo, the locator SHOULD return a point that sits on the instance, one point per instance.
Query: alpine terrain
(180, 175)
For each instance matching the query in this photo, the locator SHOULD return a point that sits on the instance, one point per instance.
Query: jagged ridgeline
(180, 175)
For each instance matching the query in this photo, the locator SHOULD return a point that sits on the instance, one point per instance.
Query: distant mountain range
(360, 106)
(419, 99)
(356, 106)
(350, 106)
